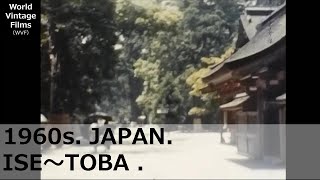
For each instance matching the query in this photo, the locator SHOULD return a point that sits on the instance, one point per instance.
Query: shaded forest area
(129, 58)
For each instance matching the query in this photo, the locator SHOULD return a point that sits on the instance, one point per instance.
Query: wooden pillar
(225, 119)
(222, 120)
(260, 119)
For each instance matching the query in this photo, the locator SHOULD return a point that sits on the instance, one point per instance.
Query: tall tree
(80, 35)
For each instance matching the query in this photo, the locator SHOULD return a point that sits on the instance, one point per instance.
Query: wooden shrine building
(251, 84)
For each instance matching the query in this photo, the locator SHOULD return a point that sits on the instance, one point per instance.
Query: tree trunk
(53, 62)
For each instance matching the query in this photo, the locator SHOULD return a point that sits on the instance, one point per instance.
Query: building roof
(268, 36)
(214, 69)
(254, 16)
(43, 119)
(241, 95)
(282, 97)
(260, 10)
(270, 31)
(279, 10)
(249, 24)
(236, 102)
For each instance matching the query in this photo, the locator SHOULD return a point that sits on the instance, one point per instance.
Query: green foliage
(175, 42)
(128, 57)
(195, 79)
(195, 82)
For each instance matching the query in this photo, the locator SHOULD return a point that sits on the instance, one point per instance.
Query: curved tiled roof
(236, 102)
(264, 39)
(270, 31)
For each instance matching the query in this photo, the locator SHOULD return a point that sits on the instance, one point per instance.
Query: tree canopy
(133, 57)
